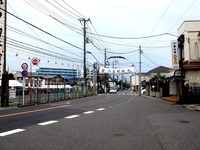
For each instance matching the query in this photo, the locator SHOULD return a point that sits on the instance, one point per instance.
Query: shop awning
(173, 73)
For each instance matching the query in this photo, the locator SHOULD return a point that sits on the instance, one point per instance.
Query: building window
(196, 50)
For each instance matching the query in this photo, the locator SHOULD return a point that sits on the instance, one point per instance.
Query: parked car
(113, 90)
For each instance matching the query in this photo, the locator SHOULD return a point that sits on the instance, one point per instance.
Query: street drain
(184, 121)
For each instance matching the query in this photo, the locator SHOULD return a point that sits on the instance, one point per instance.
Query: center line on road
(100, 109)
(88, 112)
(72, 116)
(11, 132)
(47, 123)
(33, 111)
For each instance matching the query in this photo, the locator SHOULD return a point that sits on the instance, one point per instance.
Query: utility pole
(84, 54)
(94, 78)
(5, 77)
(181, 40)
(140, 52)
(105, 58)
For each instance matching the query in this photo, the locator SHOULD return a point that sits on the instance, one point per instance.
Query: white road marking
(72, 116)
(47, 123)
(11, 132)
(100, 109)
(88, 112)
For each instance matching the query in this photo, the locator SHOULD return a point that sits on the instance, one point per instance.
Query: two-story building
(134, 79)
(191, 51)
(185, 78)
(145, 77)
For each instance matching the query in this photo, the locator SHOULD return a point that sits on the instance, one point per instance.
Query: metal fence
(40, 96)
(194, 94)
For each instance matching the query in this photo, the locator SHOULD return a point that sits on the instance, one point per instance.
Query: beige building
(135, 80)
(191, 51)
(145, 77)
(185, 81)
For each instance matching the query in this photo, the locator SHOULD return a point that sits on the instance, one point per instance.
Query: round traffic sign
(24, 73)
(24, 66)
(35, 61)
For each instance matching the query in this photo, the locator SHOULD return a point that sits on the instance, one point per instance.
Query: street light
(93, 56)
(116, 57)
(94, 73)
(121, 57)
(132, 65)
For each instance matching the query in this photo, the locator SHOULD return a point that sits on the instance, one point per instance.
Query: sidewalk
(192, 106)
(171, 98)
(188, 106)
(174, 99)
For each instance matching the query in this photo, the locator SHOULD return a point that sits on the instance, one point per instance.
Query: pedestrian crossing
(120, 94)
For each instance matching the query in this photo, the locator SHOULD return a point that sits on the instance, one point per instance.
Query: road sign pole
(30, 82)
(23, 90)
(24, 67)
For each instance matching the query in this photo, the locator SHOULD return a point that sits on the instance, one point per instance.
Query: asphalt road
(122, 121)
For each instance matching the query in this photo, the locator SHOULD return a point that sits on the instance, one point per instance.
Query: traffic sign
(24, 73)
(35, 61)
(24, 66)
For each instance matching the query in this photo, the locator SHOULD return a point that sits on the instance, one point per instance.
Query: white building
(191, 50)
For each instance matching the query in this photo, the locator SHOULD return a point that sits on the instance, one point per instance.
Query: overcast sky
(115, 25)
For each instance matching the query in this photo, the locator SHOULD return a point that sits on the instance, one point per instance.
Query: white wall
(192, 42)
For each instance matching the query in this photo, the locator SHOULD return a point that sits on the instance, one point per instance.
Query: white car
(113, 90)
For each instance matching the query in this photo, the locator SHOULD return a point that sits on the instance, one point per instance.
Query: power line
(161, 16)
(182, 15)
(142, 37)
(98, 35)
(33, 31)
(42, 30)
(35, 38)
(38, 50)
(66, 25)
(67, 9)
(73, 9)
(43, 9)
(61, 9)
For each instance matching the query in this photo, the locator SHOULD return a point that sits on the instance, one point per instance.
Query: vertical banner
(2, 24)
(175, 59)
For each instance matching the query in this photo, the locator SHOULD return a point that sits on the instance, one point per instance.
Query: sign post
(34, 61)
(24, 67)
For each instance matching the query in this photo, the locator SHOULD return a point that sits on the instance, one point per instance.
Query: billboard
(116, 71)
(175, 59)
(2, 20)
